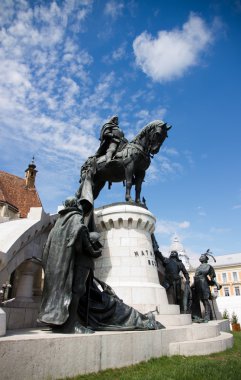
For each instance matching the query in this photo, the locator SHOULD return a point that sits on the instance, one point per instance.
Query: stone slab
(22, 317)
(2, 322)
(174, 319)
(40, 355)
(202, 347)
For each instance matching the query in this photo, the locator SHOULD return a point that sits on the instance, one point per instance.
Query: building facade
(228, 274)
(18, 195)
(228, 271)
(24, 228)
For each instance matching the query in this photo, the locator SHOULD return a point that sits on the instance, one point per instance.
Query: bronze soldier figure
(111, 137)
(173, 281)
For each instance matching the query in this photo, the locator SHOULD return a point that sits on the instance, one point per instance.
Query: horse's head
(158, 135)
(151, 137)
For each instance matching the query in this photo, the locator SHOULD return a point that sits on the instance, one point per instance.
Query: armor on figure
(111, 137)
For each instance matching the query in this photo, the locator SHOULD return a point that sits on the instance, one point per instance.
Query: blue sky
(67, 66)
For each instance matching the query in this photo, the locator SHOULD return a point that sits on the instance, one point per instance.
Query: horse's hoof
(129, 200)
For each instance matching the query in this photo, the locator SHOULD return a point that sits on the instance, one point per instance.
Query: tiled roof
(226, 260)
(221, 261)
(13, 191)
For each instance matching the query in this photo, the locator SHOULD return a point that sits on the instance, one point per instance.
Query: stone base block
(174, 319)
(20, 315)
(154, 295)
(224, 325)
(39, 354)
(2, 322)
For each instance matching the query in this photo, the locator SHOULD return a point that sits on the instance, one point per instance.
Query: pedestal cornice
(125, 215)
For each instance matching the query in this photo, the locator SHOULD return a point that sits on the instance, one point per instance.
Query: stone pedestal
(2, 322)
(25, 287)
(128, 263)
(22, 311)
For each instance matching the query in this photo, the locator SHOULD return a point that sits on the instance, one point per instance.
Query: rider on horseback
(111, 137)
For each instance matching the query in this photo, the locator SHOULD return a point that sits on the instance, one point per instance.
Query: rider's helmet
(114, 120)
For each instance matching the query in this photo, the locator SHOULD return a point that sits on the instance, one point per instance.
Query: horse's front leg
(139, 178)
(97, 187)
(129, 175)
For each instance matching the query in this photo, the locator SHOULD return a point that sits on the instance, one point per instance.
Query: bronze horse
(129, 164)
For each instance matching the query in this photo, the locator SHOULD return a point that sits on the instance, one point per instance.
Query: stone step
(202, 347)
(168, 309)
(2, 322)
(29, 349)
(174, 319)
(191, 332)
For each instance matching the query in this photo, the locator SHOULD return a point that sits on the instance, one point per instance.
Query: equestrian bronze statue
(128, 164)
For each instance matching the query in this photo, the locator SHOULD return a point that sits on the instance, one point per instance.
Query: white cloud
(167, 167)
(172, 53)
(170, 151)
(40, 95)
(116, 55)
(201, 212)
(236, 207)
(220, 230)
(153, 173)
(145, 116)
(44, 82)
(137, 96)
(114, 8)
(119, 53)
(170, 227)
(189, 157)
(184, 224)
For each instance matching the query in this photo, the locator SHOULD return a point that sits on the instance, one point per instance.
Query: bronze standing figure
(205, 277)
(68, 262)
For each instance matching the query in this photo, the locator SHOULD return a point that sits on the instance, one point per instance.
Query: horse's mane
(148, 129)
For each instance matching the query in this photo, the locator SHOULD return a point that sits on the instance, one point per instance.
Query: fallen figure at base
(106, 311)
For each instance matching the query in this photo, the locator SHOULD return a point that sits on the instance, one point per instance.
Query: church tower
(30, 175)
